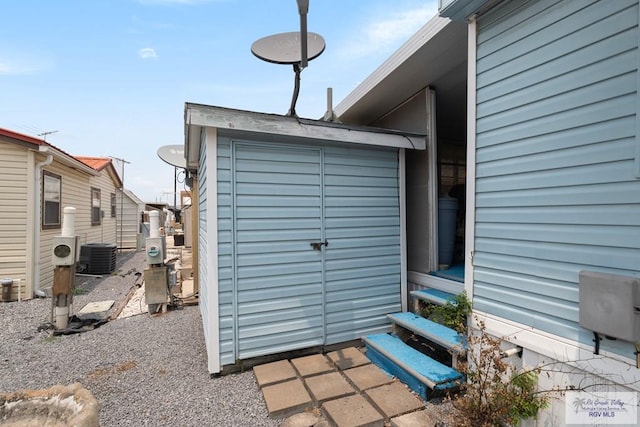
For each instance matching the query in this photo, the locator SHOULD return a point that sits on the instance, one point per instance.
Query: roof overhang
(67, 160)
(435, 56)
(240, 122)
(460, 10)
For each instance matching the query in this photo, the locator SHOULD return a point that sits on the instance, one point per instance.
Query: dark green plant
(453, 314)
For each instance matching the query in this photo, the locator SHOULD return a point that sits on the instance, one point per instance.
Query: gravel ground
(143, 370)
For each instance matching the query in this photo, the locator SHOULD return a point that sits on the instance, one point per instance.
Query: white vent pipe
(69, 222)
(154, 224)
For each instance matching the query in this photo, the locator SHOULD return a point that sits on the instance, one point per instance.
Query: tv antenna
(44, 134)
(292, 48)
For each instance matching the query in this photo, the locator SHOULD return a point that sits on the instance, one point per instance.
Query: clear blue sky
(112, 76)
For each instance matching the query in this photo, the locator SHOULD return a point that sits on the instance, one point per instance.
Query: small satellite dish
(285, 48)
(173, 154)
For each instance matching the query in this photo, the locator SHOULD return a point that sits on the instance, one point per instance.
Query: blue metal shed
(301, 230)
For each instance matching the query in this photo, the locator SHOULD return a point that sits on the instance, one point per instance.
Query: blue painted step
(434, 332)
(415, 369)
(434, 296)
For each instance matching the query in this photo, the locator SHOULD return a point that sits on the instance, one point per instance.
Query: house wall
(129, 210)
(15, 207)
(76, 192)
(556, 191)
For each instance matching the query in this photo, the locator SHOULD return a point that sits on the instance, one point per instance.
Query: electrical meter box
(610, 305)
(156, 285)
(155, 250)
(65, 250)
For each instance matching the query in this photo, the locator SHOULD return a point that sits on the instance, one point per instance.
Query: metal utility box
(65, 250)
(156, 285)
(155, 250)
(610, 305)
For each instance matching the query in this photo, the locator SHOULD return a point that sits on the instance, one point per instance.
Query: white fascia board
(409, 48)
(67, 160)
(271, 124)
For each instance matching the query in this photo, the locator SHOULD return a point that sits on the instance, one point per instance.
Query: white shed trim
(470, 202)
(272, 124)
(213, 317)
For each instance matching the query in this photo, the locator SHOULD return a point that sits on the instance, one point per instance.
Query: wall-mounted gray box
(610, 305)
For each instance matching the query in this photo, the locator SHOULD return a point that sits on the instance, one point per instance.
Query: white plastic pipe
(36, 234)
(154, 224)
(69, 222)
(61, 315)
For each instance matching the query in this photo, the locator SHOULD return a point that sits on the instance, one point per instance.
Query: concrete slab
(394, 399)
(96, 307)
(367, 376)
(312, 365)
(275, 372)
(287, 398)
(328, 387)
(414, 419)
(348, 358)
(352, 411)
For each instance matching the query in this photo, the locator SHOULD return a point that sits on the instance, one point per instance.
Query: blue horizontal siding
(362, 269)
(225, 253)
(556, 134)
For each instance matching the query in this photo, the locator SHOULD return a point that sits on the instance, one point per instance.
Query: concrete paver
(274, 372)
(352, 411)
(312, 365)
(343, 384)
(414, 419)
(394, 399)
(328, 387)
(287, 398)
(348, 358)
(367, 376)
(304, 419)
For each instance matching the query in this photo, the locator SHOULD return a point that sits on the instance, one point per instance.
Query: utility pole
(122, 162)
(44, 134)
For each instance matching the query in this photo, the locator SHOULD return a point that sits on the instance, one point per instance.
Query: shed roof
(233, 121)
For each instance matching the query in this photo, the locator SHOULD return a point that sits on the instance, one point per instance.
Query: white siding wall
(14, 205)
(129, 210)
(76, 192)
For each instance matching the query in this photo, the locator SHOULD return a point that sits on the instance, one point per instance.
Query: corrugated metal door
(288, 294)
(278, 206)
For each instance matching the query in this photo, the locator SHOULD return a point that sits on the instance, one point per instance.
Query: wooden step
(434, 296)
(434, 332)
(418, 371)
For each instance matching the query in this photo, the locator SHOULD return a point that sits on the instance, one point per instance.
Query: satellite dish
(295, 48)
(285, 48)
(174, 155)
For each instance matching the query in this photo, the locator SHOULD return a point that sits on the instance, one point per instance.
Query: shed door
(278, 204)
(288, 294)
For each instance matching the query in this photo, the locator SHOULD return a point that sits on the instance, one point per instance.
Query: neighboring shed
(129, 212)
(552, 170)
(37, 180)
(301, 230)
